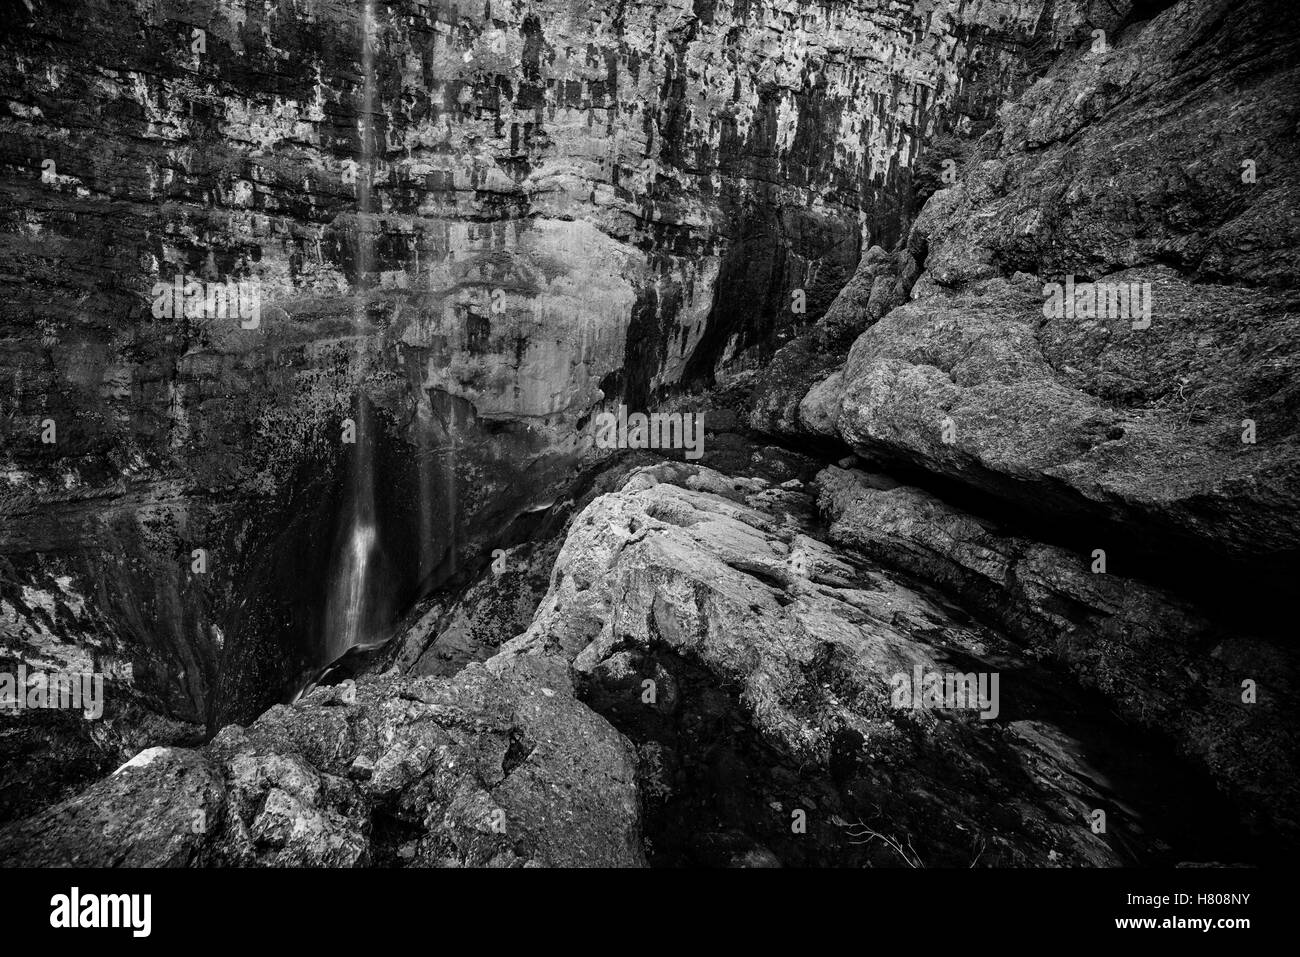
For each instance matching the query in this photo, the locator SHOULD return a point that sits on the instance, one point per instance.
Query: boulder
(486, 769)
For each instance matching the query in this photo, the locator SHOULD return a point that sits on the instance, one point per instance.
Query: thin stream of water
(352, 609)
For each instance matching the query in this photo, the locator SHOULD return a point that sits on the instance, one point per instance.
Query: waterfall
(355, 606)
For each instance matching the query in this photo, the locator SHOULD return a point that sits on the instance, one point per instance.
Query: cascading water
(355, 606)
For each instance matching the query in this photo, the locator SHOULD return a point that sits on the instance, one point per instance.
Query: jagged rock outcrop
(440, 638)
(782, 403)
(1125, 166)
(495, 769)
(752, 668)
(1160, 433)
(1158, 658)
(1172, 447)
(752, 665)
(443, 635)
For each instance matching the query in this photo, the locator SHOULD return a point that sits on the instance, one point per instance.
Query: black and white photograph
(845, 436)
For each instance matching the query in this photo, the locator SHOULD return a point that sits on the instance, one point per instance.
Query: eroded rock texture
(1162, 442)
(830, 227)
(1095, 174)
(1162, 662)
(488, 218)
(490, 770)
(771, 656)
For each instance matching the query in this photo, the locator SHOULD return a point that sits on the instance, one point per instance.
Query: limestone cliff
(307, 312)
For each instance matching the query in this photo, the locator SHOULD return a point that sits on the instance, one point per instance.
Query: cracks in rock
(518, 751)
(764, 574)
(1056, 515)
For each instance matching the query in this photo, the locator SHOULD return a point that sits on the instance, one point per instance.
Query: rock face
(755, 667)
(782, 402)
(754, 672)
(485, 220)
(1158, 658)
(1024, 268)
(1115, 487)
(442, 636)
(496, 770)
(1175, 418)
(49, 755)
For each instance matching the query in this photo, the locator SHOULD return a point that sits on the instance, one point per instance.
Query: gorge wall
(569, 205)
(474, 227)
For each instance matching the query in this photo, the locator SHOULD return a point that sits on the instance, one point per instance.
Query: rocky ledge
(489, 769)
(708, 680)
